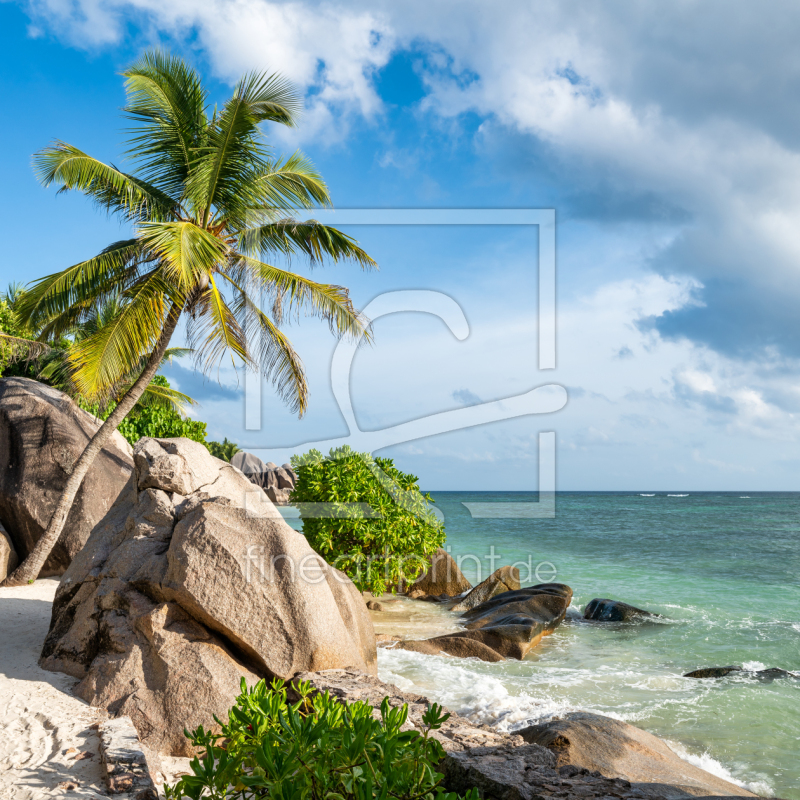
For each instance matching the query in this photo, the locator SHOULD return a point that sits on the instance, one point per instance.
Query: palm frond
(287, 185)
(273, 354)
(69, 168)
(213, 329)
(290, 237)
(164, 397)
(167, 99)
(292, 292)
(14, 348)
(185, 251)
(58, 300)
(105, 358)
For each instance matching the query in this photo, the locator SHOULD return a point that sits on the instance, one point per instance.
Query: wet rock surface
(720, 672)
(505, 579)
(507, 625)
(602, 610)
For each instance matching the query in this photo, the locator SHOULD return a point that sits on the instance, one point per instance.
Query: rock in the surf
(42, 435)
(505, 579)
(616, 749)
(176, 597)
(602, 610)
(762, 674)
(712, 672)
(514, 622)
(442, 578)
(451, 646)
(509, 624)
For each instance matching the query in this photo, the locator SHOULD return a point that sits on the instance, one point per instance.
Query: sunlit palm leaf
(104, 359)
(79, 285)
(310, 238)
(69, 168)
(274, 354)
(214, 330)
(185, 251)
(167, 99)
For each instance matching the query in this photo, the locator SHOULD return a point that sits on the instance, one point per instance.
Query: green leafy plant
(224, 450)
(157, 418)
(378, 528)
(318, 748)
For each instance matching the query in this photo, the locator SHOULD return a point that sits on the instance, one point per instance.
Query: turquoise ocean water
(722, 568)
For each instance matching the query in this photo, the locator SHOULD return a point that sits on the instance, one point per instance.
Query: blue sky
(665, 137)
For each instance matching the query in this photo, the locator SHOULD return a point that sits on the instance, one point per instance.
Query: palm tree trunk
(29, 569)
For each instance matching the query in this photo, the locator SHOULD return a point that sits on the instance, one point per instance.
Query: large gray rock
(277, 481)
(618, 750)
(249, 464)
(442, 578)
(505, 579)
(505, 766)
(8, 555)
(176, 597)
(42, 435)
(602, 610)
(513, 623)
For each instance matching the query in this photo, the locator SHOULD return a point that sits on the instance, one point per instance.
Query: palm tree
(210, 207)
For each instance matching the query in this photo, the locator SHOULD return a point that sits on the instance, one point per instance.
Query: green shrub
(160, 423)
(225, 450)
(157, 420)
(376, 552)
(316, 749)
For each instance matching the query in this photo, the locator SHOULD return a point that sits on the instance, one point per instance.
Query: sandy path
(48, 747)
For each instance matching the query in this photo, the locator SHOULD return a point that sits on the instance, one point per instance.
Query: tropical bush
(378, 528)
(156, 419)
(224, 450)
(318, 748)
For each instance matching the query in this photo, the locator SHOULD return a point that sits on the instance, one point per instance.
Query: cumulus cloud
(684, 112)
(681, 117)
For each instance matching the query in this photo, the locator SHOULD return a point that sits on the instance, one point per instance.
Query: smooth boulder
(514, 622)
(602, 610)
(442, 578)
(712, 672)
(505, 579)
(762, 674)
(508, 625)
(618, 750)
(451, 646)
(176, 597)
(42, 435)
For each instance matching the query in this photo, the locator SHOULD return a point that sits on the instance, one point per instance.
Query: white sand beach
(49, 745)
